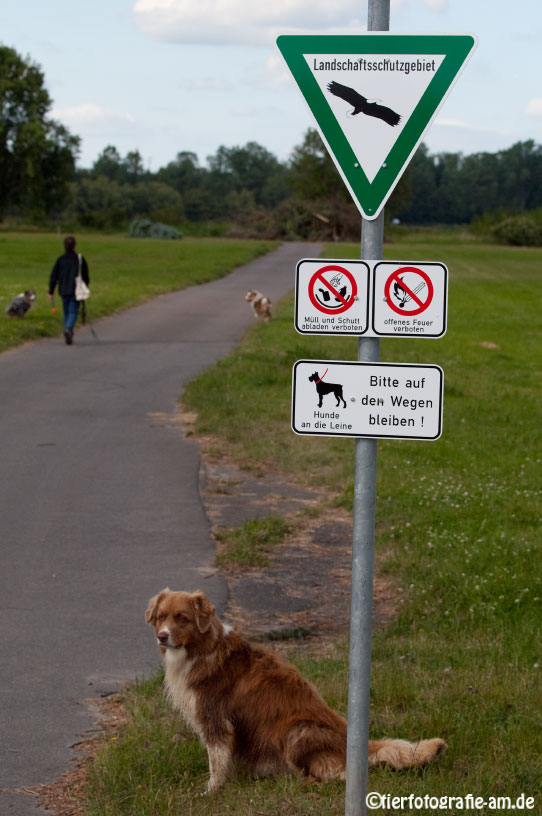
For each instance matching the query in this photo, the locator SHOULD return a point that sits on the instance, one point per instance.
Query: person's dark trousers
(71, 310)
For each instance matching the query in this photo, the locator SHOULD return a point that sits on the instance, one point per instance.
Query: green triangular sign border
(370, 197)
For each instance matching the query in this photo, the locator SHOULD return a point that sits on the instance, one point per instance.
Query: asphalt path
(100, 507)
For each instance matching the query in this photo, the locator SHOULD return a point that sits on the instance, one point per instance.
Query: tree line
(246, 187)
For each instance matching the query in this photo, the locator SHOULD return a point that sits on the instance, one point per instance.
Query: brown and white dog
(249, 705)
(261, 305)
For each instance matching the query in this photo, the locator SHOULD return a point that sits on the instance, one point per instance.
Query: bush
(145, 228)
(520, 230)
(513, 228)
(331, 219)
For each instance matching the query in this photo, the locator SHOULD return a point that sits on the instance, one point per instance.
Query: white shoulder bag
(82, 292)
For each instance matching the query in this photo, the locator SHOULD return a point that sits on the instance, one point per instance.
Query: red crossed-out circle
(422, 304)
(318, 277)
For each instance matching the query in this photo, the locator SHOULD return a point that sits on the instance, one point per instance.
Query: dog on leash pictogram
(323, 388)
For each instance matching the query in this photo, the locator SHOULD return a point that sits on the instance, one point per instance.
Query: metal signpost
(373, 97)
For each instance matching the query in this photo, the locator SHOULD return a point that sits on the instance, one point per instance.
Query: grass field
(458, 535)
(123, 272)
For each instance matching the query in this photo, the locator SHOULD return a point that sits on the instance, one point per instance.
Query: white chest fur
(182, 697)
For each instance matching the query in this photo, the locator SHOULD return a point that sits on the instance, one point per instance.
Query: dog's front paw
(212, 786)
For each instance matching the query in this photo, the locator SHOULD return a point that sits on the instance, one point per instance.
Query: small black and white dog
(21, 303)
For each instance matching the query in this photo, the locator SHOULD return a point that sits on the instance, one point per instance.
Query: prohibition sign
(319, 278)
(410, 292)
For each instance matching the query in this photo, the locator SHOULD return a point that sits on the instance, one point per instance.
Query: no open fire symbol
(409, 291)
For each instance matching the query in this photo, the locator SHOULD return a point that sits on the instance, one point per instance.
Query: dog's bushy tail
(400, 754)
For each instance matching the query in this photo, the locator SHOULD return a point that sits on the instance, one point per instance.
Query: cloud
(534, 107)
(204, 84)
(235, 22)
(273, 77)
(89, 114)
(460, 124)
(456, 123)
(253, 111)
(436, 5)
(249, 22)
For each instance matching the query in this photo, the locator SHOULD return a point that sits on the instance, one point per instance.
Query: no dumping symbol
(410, 297)
(333, 289)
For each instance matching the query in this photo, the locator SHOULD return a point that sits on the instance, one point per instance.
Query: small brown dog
(261, 305)
(248, 704)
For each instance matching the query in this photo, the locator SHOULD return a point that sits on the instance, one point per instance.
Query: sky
(165, 76)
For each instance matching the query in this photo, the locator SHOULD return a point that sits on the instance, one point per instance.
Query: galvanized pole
(372, 241)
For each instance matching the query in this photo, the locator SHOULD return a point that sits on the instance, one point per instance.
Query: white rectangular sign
(409, 299)
(371, 298)
(383, 400)
(332, 297)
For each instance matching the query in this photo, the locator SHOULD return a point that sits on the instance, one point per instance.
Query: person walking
(64, 274)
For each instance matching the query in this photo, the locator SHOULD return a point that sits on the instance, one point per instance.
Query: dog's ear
(203, 609)
(150, 614)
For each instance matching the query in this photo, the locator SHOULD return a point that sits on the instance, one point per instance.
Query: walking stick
(84, 318)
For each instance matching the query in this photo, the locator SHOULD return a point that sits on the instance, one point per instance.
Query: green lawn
(458, 536)
(123, 272)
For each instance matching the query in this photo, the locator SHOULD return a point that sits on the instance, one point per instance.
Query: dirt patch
(304, 592)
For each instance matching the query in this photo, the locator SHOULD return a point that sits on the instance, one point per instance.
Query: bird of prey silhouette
(362, 105)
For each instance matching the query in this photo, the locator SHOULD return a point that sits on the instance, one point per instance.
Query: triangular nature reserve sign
(373, 97)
